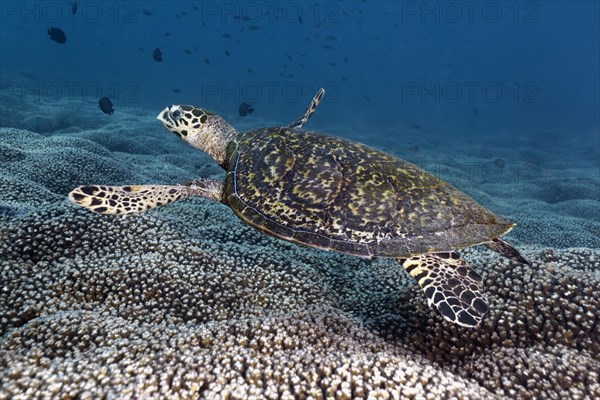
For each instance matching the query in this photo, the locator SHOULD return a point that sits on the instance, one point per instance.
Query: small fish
(74, 7)
(331, 38)
(187, 51)
(254, 27)
(157, 55)
(331, 64)
(415, 126)
(327, 46)
(226, 36)
(245, 109)
(367, 98)
(177, 90)
(106, 105)
(499, 163)
(146, 12)
(344, 79)
(207, 61)
(167, 34)
(226, 53)
(300, 19)
(57, 35)
(249, 70)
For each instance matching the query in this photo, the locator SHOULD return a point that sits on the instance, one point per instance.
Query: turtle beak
(163, 117)
(170, 117)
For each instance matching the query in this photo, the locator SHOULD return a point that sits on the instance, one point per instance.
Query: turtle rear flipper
(137, 198)
(450, 285)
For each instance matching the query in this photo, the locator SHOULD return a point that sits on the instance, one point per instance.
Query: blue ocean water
(452, 68)
(499, 98)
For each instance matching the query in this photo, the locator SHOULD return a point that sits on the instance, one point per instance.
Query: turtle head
(199, 128)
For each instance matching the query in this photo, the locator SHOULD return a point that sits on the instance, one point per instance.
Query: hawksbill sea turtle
(333, 194)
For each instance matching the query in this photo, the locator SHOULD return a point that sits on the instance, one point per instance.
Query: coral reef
(186, 301)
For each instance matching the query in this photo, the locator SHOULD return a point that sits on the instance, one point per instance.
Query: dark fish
(475, 112)
(331, 38)
(288, 56)
(183, 13)
(207, 61)
(254, 27)
(331, 64)
(146, 12)
(74, 7)
(106, 105)
(226, 53)
(226, 36)
(187, 51)
(327, 46)
(57, 35)
(300, 19)
(366, 98)
(167, 34)
(177, 90)
(416, 126)
(499, 163)
(249, 70)
(245, 109)
(157, 55)
(344, 79)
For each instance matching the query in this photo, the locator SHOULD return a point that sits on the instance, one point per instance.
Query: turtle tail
(501, 247)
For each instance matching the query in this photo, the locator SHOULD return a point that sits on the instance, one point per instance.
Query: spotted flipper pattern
(299, 123)
(506, 250)
(450, 285)
(127, 199)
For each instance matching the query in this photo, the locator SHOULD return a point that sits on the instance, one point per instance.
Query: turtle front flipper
(299, 123)
(137, 198)
(450, 285)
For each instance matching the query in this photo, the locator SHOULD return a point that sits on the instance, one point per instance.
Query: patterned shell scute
(336, 194)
